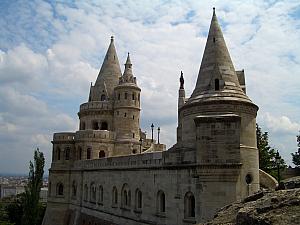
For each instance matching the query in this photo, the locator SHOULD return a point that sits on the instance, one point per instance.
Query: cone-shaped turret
(217, 77)
(128, 75)
(109, 74)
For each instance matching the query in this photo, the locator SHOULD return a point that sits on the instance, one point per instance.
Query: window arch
(114, 196)
(58, 152)
(104, 126)
(100, 197)
(161, 202)
(101, 154)
(138, 199)
(189, 205)
(67, 153)
(74, 189)
(60, 189)
(93, 192)
(217, 85)
(86, 192)
(103, 97)
(125, 196)
(88, 153)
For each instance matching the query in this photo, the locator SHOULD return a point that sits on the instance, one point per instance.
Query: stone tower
(127, 111)
(219, 120)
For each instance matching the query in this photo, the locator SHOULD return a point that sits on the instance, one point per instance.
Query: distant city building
(10, 190)
(108, 172)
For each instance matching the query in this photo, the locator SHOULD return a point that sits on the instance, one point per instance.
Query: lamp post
(141, 141)
(277, 160)
(158, 131)
(152, 126)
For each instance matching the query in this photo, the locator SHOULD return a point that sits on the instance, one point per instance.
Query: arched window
(119, 96)
(133, 96)
(58, 152)
(86, 192)
(100, 197)
(104, 126)
(88, 153)
(74, 189)
(217, 85)
(79, 153)
(60, 189)
(125, 196)
(101, 154)
(67, 153)
(103, 97)
(161, 202)
(114, 196)
(138, 199)
(93, 193)
(95, 125)
(189, 205)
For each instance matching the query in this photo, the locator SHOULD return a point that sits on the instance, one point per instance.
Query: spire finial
(181, 80)
(112, 38)
(214, 10)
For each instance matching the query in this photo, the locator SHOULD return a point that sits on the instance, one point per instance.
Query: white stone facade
(109, 173)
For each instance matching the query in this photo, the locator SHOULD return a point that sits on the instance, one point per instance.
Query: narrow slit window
(217, 85)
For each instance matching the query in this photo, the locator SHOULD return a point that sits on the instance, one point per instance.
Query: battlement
(95, 134)
(64, 136)
(105, 105)
(122, 162)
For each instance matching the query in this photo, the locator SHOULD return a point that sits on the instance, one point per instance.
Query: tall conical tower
(127, 112)
(219, 119)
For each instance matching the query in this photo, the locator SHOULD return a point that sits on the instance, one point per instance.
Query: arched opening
(133, 96)
(101, 154)
(67, 153)
(95, 125)
(58, 152)
(138, 199)
(60, 189)
(189, 205)
(114, 196)
(217, 85)
(125, 196)
(104, 126)
(100, 197)
(103, 97)
(93, 193)
(126, 95)
(161, 202)
(88, 153)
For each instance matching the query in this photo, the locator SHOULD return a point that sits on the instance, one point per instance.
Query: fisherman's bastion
(110, 173)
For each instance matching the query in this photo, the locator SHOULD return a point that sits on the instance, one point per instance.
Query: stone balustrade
(95, 134)
(133, 161)
(63, 136)
(96, 105)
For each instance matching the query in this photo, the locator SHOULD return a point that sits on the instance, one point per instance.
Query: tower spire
(128, 74)
(217, 73)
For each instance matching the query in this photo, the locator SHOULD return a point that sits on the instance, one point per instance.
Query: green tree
(267, 154)
(31, 205)
(296, 155)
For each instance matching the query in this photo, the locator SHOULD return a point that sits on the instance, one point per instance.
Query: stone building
(109, 173)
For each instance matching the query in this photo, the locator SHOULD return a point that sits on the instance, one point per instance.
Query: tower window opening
(101, 154)
(60, 189)
(119, 96)
(103, 97)
(214, 40)
(133, 96)
(67, 153)
(161, 202)
(133, 135)
(217, 85)
(138, 199)
(104, 126)
(125, 114)
(189, 205)
(88, 153)
(126, 95)
(95, 125)
(133, 117)
(58, 153)
(114, 196)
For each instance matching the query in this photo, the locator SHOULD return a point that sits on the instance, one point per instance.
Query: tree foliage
(31, 204)
(296, 155)
(267, 154)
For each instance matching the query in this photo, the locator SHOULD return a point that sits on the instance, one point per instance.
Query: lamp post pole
(141, 141)
(152, 126)
(158, 131)
(277, 160)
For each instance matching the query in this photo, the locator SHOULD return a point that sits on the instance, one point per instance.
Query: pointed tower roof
(110, 71)
(217, 77)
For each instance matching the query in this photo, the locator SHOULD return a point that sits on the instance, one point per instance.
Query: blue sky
(51, 51)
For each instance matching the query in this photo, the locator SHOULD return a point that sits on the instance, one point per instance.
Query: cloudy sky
(51, 51)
